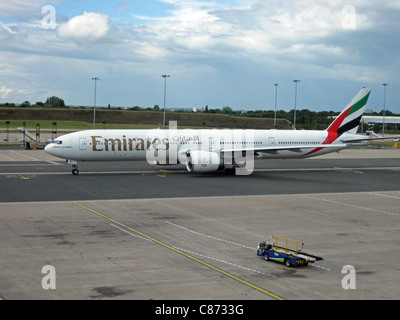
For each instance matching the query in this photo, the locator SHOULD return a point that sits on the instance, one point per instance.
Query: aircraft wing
(366, 139)
(296, 148)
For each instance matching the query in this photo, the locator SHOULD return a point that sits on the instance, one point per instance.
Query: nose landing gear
(74, 165)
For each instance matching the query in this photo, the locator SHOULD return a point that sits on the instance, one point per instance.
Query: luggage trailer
(286, 251)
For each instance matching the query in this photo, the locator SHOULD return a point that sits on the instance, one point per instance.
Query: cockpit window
(56, 142)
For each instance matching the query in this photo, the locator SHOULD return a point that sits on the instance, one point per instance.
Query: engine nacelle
(202, 161)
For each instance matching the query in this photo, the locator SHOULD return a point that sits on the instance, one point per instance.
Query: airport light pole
(165, 76)
(384, 107)
(276, 98)
(295, 102)
(95, 93)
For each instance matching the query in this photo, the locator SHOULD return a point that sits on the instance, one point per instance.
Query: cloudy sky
(218, 53)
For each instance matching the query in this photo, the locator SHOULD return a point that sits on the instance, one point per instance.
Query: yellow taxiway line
(184, 254)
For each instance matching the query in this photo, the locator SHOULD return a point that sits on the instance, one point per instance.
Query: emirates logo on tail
(349, 119)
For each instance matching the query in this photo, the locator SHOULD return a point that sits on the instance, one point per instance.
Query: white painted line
(226, 262)
(34, 173)
(84, 173)
(233, 243)
(8, 158)
(200, 255)
(23, 155)
(230, 242)
(54, 163)
(355, 206)
(132, 234)
(25, 164)
(355, 193)
(350, 170)
(319, 267)
(211, 237)
(385, 195)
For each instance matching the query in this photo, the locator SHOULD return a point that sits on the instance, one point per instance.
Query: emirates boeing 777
(212, 150)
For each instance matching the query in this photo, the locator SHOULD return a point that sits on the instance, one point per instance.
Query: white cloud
(210, 47)
(24, 10)
(5, 92)
(258, 28)
(87, 27)
(20, 9)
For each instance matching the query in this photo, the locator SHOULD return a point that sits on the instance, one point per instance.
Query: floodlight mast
(295, 103)
(276, 99)
(384, 108)
(94, 109)
(165, 76)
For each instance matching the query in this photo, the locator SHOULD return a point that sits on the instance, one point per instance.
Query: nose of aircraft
(56, 148)
(51, 150)
(48, 148)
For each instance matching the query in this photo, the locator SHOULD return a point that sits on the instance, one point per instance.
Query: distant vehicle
(205, 150)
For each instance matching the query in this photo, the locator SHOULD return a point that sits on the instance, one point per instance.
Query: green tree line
(51, 102)
(305, 118)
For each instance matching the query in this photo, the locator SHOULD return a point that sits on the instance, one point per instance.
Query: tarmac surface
(127, 230)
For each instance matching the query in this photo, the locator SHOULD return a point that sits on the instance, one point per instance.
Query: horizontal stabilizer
(366, 139)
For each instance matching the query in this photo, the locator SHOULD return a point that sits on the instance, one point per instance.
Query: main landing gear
(74, 165)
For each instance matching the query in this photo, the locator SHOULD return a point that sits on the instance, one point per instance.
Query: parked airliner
(212, 150)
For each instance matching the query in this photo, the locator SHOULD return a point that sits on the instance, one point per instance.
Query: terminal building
(371, 120)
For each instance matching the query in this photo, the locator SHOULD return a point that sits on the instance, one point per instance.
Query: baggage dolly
(286, 251)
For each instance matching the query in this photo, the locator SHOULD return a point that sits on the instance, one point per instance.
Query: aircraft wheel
(75, 172)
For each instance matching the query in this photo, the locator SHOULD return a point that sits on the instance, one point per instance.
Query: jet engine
(202, 161)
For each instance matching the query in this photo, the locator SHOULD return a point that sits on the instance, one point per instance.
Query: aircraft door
(82, 144)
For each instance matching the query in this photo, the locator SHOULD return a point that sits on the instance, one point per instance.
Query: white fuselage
(166, 146)
(211, 150)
